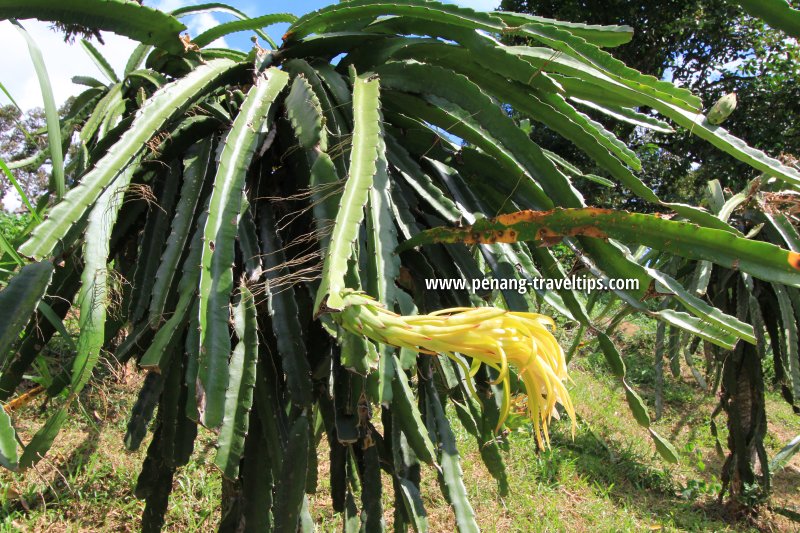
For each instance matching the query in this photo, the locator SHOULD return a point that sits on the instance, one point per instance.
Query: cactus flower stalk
(488, 335)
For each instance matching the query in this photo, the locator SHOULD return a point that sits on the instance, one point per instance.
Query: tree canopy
(712, 48)
(21, 136)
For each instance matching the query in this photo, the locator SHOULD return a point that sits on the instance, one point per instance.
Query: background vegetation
(713, 48)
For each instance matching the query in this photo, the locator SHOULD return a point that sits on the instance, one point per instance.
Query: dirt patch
(628, 328)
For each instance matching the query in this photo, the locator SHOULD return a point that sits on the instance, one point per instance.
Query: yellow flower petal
(489, 335)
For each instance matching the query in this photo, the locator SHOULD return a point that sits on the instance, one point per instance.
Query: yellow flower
(488, 335)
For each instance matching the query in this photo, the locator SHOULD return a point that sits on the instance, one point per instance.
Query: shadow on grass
(57, 482)
(57, 487)
(787, 481)
(618, 473)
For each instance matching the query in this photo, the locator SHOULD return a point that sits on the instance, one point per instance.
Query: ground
(607, 478)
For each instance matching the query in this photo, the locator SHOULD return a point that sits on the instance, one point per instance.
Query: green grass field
(608, 478)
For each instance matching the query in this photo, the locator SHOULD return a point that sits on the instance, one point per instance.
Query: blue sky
(301, 7)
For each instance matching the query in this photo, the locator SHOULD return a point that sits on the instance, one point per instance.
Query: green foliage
(19, 299)
(50, 112)
(19, 142)
(777, 13)
(713, 48)
(319, 171)
(12, 225)
(8, 442)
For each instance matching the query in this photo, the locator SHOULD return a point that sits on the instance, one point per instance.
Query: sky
(63, 61)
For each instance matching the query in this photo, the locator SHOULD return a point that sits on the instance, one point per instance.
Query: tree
(18, 141)
(712, 48)
(265, 292)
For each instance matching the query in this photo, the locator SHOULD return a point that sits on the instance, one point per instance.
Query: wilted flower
(489, 335)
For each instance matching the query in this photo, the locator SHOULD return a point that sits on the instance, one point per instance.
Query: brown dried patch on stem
(794, 260)
(544, 233)
(23, 399)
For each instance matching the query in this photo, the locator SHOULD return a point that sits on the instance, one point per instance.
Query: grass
(607, 478)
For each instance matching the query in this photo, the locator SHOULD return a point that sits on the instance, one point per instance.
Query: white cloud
(11, 201)
(63, 61)
(196, 24)
(479, 5)
(204, 22)
(169, 5)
